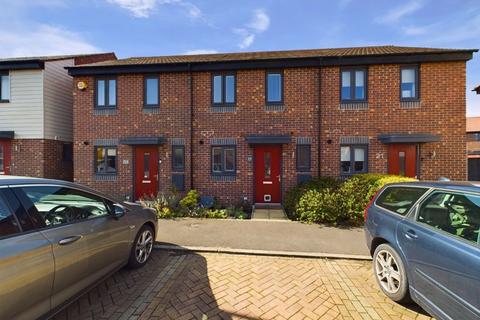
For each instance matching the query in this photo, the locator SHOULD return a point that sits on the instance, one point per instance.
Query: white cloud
(260, 21)
(42, 40)
(414, 31)
(397, 13)
(200, 51)
(144, 8)
(139, 8)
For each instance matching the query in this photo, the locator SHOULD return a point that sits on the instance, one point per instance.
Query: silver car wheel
(388, 272)
(144, 246)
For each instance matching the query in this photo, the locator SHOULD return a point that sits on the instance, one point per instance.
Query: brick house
(36, 114)
(473, 148)
(248, 126)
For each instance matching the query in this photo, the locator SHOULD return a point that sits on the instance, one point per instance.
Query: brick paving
(220, 286)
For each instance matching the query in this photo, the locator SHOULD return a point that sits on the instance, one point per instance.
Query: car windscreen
(399, 199)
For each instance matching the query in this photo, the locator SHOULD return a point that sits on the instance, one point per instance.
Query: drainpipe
(319, 120)
(190, 81)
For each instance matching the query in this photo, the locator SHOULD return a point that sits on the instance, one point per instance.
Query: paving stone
(219, 286)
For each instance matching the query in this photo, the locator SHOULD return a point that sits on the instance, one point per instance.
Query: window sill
(223, 177)
(410, 104)
(105, 176)
(274, 107)
(222, 108)
(4, 101)
(353, 105)
(104, 111)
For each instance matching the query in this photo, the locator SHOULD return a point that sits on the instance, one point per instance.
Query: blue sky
(162, 27)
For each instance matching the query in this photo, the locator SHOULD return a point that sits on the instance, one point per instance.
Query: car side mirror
(118, 211)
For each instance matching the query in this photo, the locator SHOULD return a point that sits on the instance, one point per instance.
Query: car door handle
(69, 240)
(410, 234)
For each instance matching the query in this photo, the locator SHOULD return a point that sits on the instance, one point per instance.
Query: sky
(165, 27)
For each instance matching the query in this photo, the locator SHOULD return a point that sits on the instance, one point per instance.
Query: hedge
(325, 200)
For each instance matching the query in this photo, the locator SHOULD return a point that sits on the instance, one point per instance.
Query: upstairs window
(223, 160)
(4, 87)
(409, 83)
(274, 85)
(105, 160)
(106, 93)
(151, 91)
(223, 89)
(353, 159)
(353, 85)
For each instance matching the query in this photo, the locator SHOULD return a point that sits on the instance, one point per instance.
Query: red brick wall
(40, 158)
(442, 112)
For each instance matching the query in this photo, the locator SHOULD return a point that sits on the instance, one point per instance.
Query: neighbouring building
(473, 148)
(477, 89)
(36, 129)
(248, 126)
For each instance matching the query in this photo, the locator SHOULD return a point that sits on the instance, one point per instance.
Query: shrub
(190, 201)
(343, 203)
(293, 195)
(165, 203)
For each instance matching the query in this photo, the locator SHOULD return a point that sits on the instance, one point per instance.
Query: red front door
(402, 160)
(267, 174)
(146, 171)
(5, 156)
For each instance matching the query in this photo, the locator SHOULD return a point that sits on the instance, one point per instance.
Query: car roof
(6, 180)
(468, 186)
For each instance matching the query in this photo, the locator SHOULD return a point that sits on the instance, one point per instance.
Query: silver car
(58, 239)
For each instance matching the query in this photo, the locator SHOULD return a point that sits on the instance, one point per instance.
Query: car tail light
(365, 212)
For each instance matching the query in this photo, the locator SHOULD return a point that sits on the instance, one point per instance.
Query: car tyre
(390, 273)
(142, 247)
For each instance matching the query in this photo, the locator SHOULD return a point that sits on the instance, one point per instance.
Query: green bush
(293, 195)
(165, 204)
(344, 203)
(190, 201)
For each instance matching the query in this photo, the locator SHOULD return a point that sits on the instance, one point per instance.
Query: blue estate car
(424, 238)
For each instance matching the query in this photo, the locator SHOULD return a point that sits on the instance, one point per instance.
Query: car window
(8, 222)
(455, 213)
(59, 205)
(399, 199)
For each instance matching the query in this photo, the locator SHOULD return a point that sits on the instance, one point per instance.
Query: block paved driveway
(220, 286)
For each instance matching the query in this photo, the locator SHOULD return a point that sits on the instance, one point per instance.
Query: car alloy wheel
(387, 271)
(144, 246)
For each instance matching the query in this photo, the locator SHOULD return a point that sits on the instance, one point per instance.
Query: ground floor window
(353, 159)
(224, 160)
(178, 158)
(105, 160)
(303, 157)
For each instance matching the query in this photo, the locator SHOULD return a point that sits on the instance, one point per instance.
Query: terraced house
(247, 126)
(36, 129)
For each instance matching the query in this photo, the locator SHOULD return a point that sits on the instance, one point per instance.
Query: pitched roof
(50, 58)
(273, 55)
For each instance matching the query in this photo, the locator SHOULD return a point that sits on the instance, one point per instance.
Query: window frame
(145, 103)
(177, 168)
(301, 168)
(105, 160)
(417, 82)
(282, 87)
(352, 158)
(352, 71)
(5, 74)
(447, 234)
(223, 172)
(223, 86)
(107, 104)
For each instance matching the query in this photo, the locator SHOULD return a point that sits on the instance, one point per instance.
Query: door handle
(410, 234)
(279, 178)
(69, 240)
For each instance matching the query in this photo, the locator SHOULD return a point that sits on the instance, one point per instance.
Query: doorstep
(268, 211)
